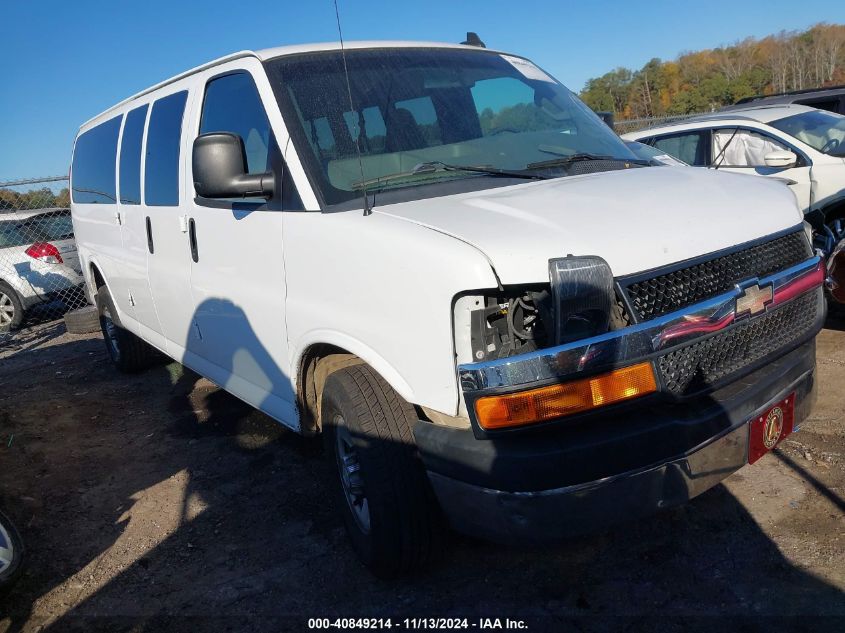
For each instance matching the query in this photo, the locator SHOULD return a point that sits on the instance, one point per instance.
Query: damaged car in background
(796, 144)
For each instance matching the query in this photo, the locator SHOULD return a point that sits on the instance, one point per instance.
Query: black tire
(83, 320)
(405, 530)
(11, 308)
(9, 540)
(129, 353)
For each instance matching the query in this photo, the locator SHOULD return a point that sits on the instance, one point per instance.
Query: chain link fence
(40, 274)
(635, 125)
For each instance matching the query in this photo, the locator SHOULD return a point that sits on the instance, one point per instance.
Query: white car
(439, 258)
(38, 261)
(794, 142)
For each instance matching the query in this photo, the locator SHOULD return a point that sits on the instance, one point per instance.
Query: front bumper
(565, 481)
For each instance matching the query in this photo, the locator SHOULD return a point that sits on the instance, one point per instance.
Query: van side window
(161, 170)
(94, 158)
(232, 104)
(130, 156)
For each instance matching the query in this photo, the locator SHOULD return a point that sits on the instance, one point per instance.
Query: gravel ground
(158, 501)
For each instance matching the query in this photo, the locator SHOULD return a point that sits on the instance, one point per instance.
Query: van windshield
(414, 109)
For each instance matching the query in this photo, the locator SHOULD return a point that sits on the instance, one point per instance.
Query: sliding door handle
(150, 246)
(192, 238)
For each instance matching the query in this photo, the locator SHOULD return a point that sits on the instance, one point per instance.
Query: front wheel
(11, 552)
(389, 510)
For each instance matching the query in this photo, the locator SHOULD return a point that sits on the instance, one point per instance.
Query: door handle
(150, 236)
(192, 238)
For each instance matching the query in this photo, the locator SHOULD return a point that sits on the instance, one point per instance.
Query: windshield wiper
(565, 161)
(434, 166)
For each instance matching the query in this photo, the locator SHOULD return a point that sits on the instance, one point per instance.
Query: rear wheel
(389, 510)
(11, 308)
(128, 352)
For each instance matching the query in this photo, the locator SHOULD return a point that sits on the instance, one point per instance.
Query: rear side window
(130, 156)
(93, 166)
(161, 171)
(232, 104)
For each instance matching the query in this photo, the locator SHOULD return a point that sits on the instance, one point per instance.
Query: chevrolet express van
(440, 259)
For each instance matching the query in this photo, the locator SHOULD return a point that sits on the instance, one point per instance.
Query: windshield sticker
(528, 69)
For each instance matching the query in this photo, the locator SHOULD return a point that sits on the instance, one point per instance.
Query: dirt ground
(157, 501)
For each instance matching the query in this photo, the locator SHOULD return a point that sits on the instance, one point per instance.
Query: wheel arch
(325, 353)
(97, 279)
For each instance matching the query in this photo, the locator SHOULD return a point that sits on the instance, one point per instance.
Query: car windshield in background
(426, 107)
(824, 131)
(39, 228)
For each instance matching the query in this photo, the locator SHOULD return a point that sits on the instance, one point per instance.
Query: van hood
(636, 219)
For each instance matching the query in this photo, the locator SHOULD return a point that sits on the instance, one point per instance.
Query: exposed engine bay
(511, 324)
(519, 320)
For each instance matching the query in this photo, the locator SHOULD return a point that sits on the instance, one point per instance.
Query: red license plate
(770, 427)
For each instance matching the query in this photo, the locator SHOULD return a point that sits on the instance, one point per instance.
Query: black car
(831, 99)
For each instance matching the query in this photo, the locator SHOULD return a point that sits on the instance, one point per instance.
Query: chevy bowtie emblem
(754, 300)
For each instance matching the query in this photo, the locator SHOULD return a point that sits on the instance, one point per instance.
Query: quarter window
(161, 171)
(94, 157)
(130, 156)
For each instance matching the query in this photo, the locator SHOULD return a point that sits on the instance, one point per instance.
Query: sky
(63, 62)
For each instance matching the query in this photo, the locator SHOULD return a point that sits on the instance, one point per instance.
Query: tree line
(43, 198)
(708, 79)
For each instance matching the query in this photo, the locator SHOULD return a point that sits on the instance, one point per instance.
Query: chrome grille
(665, 293)
(698, 366)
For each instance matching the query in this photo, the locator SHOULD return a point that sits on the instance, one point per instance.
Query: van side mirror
(220, 169)
(780, 158)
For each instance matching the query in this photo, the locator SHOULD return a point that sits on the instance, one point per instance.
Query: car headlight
(582, 297)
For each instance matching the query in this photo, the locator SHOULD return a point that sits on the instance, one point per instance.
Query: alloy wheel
(7, 310)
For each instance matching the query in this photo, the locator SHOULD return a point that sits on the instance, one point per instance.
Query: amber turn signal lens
(554, 401)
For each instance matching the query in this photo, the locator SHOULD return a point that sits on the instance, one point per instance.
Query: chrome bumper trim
(549, 514)
(638, 341)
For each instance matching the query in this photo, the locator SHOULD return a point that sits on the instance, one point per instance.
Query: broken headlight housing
(582, 296)
(579, 302)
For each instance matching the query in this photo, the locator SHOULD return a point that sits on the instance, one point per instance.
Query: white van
(442, 260)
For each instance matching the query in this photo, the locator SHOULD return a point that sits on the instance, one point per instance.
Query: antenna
(367, 209)
(473, 40)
